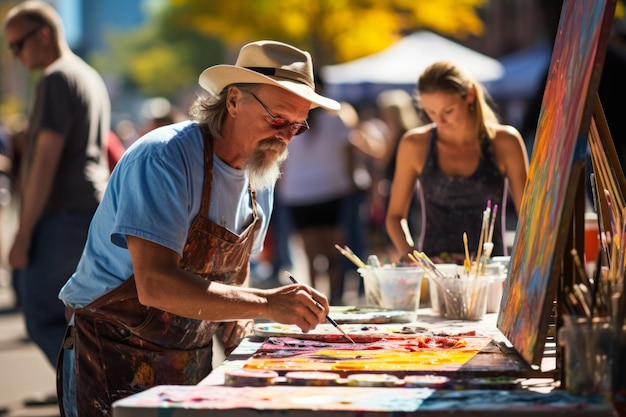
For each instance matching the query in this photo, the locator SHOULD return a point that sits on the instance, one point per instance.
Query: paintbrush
(612, 216)
(493, 223)
(428, 263)
(596, 299)
(404, 224)
(421, 259)
(347, 252)
(483, 232)
(467, 263)
(579, 266)
(598, 209)
(488, 245)
(330, 320)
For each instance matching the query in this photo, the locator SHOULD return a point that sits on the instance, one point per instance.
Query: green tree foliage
(163, 58)
(187, 36)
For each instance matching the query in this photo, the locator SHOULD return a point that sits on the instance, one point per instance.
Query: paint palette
(327, 332)
(369, 315)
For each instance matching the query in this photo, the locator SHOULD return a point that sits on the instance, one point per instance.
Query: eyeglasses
(279, 123)
(17, 46)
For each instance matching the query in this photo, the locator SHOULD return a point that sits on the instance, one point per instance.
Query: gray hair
(210, 110)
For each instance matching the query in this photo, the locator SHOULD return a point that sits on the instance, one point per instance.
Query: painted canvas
(395, 355)
(220, 401)
(547, 205)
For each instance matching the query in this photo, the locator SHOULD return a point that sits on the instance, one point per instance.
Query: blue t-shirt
(155, 193)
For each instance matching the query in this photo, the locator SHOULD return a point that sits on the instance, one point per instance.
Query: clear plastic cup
(394, 288)
(494, 293)
(589, 351)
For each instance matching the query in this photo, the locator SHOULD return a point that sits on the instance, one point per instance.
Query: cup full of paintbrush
(462, 297)
(447, 270)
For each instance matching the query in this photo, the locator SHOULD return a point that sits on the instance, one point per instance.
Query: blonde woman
(461, 159)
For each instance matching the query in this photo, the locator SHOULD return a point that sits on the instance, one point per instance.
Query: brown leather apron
(122, 347)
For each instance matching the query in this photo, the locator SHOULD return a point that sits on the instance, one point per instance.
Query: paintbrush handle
(330, 320)
(336, 325)
(347, 252)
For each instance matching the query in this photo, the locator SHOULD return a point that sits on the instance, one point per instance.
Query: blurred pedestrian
(15, 137)
(322, 189)
(64, 171)
(115, 149)
(397, 114)
(157, 112)
(169, 246)
(462, 158)
(6, 167)
(315, 181)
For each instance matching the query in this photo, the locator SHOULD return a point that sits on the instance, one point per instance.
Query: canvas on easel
(557, 163)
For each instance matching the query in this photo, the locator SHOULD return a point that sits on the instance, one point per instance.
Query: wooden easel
(551, 221)
(608, 174)
(606, 164)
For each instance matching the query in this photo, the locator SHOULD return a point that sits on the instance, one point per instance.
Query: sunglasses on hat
(279, 123)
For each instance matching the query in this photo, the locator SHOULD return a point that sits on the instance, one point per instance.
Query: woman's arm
(410, 159)
(510, 152)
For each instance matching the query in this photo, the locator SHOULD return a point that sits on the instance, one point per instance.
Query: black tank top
(454, 205)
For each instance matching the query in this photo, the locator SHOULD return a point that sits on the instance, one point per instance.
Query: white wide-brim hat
(269, 62)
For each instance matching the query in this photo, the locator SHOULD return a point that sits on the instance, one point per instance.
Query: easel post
(569, 271)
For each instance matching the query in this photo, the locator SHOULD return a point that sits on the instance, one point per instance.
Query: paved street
(25, 373)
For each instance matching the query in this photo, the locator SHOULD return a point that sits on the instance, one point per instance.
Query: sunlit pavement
(25, 372)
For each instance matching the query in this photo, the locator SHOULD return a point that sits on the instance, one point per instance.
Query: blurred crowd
(153, 112)
(360, 162)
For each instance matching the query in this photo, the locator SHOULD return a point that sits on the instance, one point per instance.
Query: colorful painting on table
(393, 355)
(547, 205)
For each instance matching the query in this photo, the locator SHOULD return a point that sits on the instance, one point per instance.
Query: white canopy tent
(399, 65)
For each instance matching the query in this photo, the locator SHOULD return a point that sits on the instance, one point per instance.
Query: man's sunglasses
(279, 123)
(17, 46)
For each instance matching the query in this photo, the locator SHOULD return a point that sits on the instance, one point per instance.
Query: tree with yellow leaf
(189, 35)
(333, 30)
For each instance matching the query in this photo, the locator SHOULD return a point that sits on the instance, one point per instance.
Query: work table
(537, 393)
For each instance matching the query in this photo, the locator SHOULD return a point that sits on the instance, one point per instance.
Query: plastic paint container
(425, 381)
(313, 378)
(373, 380)
(249, 378)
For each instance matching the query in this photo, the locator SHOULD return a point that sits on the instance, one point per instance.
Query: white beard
(263, 166)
